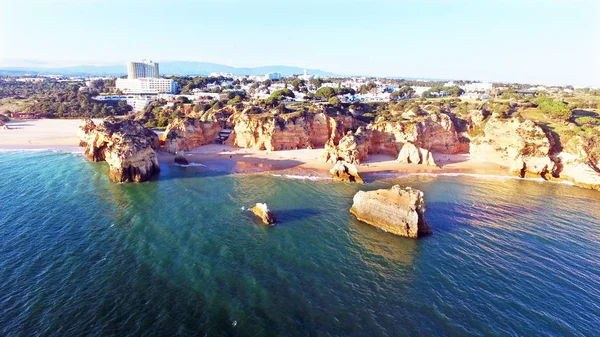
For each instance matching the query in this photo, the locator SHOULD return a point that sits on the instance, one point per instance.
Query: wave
(472, 175)
(300, 177)
(71, 150)
(190, 165)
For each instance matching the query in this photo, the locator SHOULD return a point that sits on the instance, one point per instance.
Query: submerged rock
(400, 211)
(262, 211)
(127, 147)
(345, 171)
(180, 158)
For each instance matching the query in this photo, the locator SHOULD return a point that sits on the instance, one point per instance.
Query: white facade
(142, 69)
(478, 87)
(138, 103)
(273, 76)
(146, 85)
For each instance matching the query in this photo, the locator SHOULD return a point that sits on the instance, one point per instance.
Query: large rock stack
(398, 210)
(127, 147)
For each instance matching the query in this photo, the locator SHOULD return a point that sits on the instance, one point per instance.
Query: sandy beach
(40, 134)
(61, 134)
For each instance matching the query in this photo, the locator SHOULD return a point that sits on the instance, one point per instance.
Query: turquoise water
(81, 256)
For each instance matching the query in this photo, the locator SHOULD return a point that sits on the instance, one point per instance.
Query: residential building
(478, 87)
(146, 85)
(138, 103)
(142, 69)
(273, 76)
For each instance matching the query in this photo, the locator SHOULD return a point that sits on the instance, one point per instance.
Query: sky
(526, 41)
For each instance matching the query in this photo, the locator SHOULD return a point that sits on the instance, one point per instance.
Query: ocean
(182, 256)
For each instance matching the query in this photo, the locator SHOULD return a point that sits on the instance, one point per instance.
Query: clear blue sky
(547, 42)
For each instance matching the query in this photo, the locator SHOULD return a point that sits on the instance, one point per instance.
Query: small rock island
(398, 210)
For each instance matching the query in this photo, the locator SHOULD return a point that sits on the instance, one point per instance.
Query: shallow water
(80, 255)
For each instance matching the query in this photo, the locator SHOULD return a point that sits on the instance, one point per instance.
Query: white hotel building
(146, 85)
(143, 78)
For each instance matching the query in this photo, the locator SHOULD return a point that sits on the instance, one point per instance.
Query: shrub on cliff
(557, 110)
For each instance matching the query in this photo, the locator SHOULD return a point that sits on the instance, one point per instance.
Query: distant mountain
(166, 68)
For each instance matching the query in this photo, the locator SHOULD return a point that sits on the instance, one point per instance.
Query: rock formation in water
(398, 210)
(180, 158)
(127, 147)
(520, 145)
(264, 213)
(188, 133)
(344, 171)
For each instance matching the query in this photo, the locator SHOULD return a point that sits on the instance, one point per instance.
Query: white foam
(472, 175)
(299, 177)
(190, 165)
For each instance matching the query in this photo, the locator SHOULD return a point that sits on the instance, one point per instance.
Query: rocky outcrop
(410, 154)
(264, 213)
(435, 132)
(288, 132)
(352, 148)
(188, 133)
(577, 165)
(344, 171)
(4, 118)
(520, 145)
(398, 210)
(127, 147)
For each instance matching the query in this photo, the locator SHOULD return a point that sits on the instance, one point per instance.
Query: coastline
(60, 135)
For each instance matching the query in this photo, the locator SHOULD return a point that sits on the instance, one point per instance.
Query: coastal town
(144, 84)
(549, 132)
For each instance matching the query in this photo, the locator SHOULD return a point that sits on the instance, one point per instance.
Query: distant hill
(166, 68)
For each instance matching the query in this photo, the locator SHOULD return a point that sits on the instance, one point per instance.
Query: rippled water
(80, 255)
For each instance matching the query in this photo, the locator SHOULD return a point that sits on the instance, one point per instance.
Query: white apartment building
(142, 69)
(477, 87)
(273, 76)
(146, 85)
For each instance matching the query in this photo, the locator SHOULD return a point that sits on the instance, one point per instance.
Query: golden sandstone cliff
(188, 133)
(126, 146)
(272, 133)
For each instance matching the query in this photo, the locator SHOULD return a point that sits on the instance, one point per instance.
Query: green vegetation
(556, 109)
(405, 91)
(453, 91)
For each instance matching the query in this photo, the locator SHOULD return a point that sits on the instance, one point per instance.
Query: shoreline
(307, 171)
(60, 135)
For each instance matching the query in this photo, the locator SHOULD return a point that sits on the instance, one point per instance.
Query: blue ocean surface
(182, 256)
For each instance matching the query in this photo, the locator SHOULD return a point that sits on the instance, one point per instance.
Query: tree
(556, 109)
(325, 92)
(297, 83)
(335, 101)
(317, 82)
